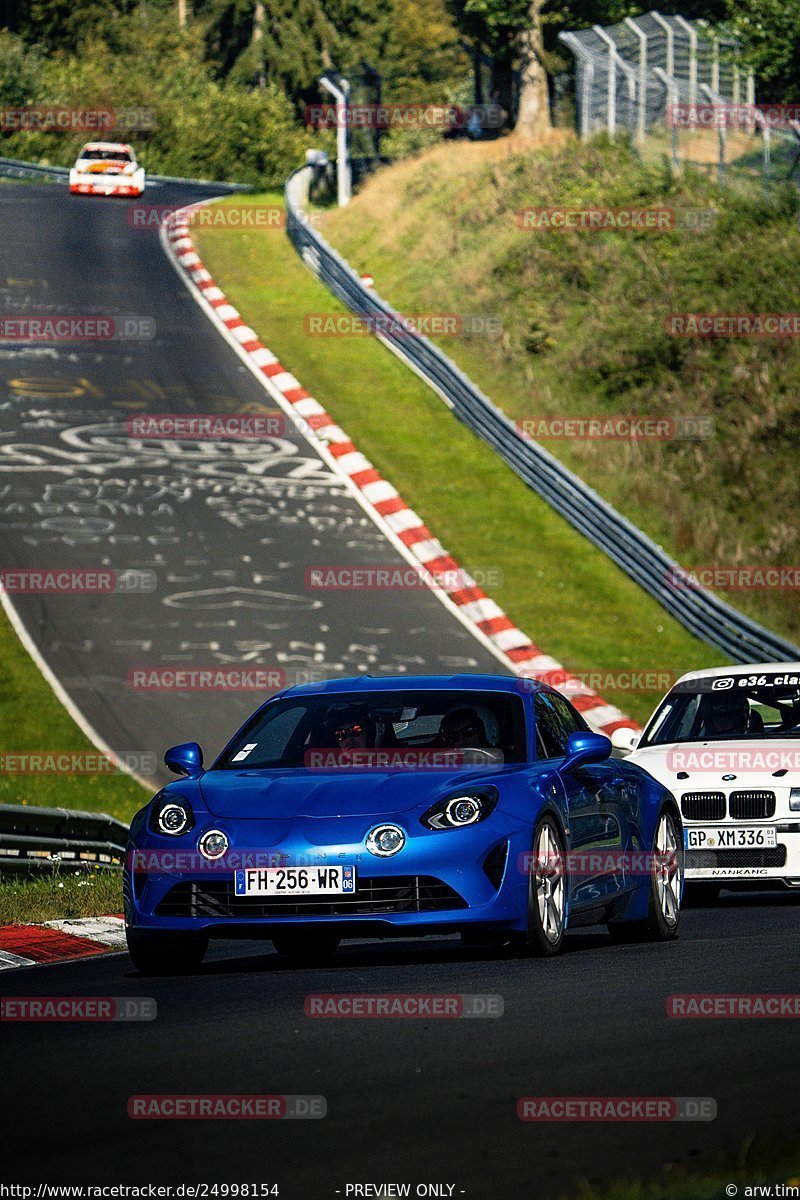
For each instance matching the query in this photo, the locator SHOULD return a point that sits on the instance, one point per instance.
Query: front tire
(664, 899)
(547, 892)
(166, 953)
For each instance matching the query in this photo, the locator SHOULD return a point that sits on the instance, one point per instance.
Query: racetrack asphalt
(421, 1101)
(228, 529)
(409, 1100)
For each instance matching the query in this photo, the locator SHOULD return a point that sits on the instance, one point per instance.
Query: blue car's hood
(300, 793)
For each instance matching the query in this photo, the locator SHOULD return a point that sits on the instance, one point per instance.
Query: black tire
(166, 953)
(697, 895)
(539, 941)
(306, 946)
(656, 927)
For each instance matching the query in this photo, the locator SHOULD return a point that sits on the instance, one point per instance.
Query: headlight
(213, 844)
(794, 800)
(454, 812)
(173, 817)
(386, 840)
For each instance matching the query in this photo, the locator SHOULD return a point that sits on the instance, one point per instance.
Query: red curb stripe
(420, 533)
(362, 478)
(584, 703)
(319, 421)
(444, 563)
(466, 595)
(41, 944)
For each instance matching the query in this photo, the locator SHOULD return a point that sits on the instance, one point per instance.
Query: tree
(533, 116)
(770, 33)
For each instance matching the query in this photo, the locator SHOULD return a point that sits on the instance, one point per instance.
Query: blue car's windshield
(730, 707)
(470, 727)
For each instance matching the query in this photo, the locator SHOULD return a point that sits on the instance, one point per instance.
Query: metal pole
(641, 112)
(340, 95)
(672, 101)
(612, 93)
(586, 106)
(665, 25)
(615, 60)
(692, 32)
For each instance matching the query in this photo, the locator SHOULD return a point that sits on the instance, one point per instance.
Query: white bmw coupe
(726, 743)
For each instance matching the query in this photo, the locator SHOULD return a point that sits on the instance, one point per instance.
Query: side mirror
(626, 739)
(583, 748)
(186, 759)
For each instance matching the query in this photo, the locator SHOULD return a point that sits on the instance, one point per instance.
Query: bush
(200, 127)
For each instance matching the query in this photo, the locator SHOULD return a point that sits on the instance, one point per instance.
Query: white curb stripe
(8, 961)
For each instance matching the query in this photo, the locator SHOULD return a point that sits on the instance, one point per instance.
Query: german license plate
(295, 881)
(727, 837)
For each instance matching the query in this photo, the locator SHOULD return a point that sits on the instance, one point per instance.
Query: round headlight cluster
(386, 840)
(213, 844)
(173, 819)
(456, 812)
(464, 810)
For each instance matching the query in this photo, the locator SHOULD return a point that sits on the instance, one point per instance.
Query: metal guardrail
(701, 612)
(12, 168)
(34, 839)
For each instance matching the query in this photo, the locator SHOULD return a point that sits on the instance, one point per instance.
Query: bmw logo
(728, 778)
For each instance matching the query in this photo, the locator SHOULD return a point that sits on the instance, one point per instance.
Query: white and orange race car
(107, 169)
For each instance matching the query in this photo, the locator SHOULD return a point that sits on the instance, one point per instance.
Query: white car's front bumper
(750, 863)
(102, 184)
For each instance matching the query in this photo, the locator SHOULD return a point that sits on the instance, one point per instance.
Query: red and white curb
(404, 528)
(60, 941)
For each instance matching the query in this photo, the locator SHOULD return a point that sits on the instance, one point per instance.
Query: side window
(551, 737)
(571, 720)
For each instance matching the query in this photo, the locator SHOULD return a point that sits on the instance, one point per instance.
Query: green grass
(759, 1162)
(565, 594)
(32, 718)
(60, 895)
(583, 333)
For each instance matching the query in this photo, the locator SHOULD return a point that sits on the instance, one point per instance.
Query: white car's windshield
(106, 156)
(728, 707)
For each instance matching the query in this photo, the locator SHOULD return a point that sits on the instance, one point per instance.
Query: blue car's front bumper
(440, 881)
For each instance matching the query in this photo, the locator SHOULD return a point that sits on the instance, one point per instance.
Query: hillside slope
(583, 330)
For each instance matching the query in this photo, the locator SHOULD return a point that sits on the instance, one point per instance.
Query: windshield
(106, 155)
(724, 708)
(462, 727)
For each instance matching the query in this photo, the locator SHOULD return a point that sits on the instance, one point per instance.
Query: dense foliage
(229, 86)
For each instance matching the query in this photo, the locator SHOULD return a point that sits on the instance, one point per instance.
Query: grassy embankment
(565, 594)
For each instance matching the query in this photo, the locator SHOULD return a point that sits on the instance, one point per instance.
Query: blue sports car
(476, 804)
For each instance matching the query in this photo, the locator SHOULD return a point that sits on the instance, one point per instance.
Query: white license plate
(295, 881)
(728, 837)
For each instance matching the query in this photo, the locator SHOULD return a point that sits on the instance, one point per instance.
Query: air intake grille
(752, 806)
(703, 806)
(391, 894)
(774, 856)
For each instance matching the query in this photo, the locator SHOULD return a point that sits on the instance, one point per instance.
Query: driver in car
(727, 714)
(474, 734)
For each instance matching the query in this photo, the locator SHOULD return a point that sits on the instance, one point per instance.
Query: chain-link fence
(675, 86)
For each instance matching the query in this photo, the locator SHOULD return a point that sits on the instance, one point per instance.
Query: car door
(594, 800)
